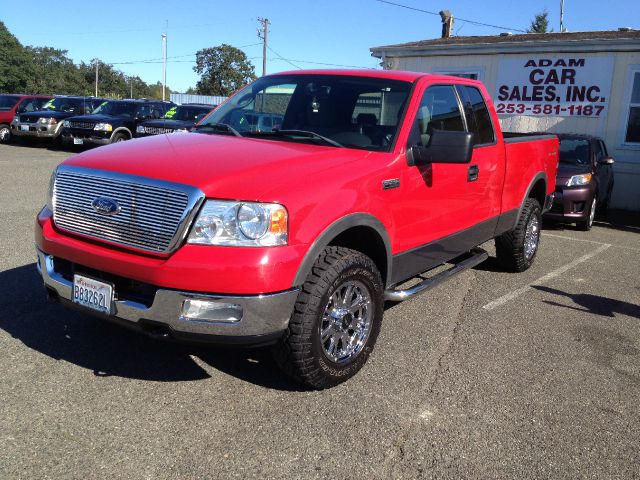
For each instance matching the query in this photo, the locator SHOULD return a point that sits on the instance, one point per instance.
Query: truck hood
(97, 118)
(222, 166)
(47, 114)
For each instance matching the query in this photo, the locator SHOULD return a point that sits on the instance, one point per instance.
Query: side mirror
(606, 161)
(444, 147)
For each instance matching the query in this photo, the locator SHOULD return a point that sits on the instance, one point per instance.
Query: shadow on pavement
(594, 304)
(109, 350)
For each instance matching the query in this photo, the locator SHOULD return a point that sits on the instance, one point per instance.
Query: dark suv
(47, 123)
(584, 180)
(177, 119)
(113, 121)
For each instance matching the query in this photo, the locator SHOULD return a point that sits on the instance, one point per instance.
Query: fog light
(206, 311)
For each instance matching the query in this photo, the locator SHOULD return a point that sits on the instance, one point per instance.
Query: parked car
(113, 121)
(47, 122)
(180, 118)
(11, 105)
(296, 236)
(584, 182)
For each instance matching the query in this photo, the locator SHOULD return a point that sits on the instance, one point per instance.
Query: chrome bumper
(263, 315)
(50, 131)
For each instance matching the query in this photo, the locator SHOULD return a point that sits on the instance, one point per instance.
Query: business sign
(568, 86)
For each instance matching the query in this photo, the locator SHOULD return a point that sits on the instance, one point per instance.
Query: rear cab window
(477, 114)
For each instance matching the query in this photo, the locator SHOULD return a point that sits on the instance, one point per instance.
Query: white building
(583, 82)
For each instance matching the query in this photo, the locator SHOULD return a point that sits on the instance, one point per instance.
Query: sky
(302, 34)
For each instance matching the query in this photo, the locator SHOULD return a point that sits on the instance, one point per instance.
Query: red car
(297, 235)
(12, 105)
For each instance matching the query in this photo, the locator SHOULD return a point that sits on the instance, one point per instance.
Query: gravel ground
(491, 375)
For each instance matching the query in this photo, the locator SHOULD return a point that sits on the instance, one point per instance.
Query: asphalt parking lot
(491, 375)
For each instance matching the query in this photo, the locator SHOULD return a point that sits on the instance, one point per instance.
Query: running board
(477, 255)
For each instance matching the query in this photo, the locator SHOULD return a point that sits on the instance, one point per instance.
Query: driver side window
(438, 110)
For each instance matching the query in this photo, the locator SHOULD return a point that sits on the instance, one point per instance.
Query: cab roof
(385, 74)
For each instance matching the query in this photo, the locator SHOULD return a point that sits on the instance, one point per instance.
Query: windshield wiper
(218, 127)
(300, 133)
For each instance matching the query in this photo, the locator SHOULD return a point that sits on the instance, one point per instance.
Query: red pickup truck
(296, 235)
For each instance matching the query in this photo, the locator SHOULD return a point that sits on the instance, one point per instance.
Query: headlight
(240, 224)
(16, 119)
(140, 129)
(48, 121)
(51, 194)
(577, 180)
(66, 124)
(103, 127)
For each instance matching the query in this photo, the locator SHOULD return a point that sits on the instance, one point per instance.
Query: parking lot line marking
(545, 278)
(590, 241)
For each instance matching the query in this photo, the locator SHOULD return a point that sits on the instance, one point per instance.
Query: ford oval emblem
(105, 206)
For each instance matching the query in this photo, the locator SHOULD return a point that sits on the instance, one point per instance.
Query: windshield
(123, 109)
(354, 112)
(186, 113)
(72, 105)
(7, 102)
(574, 151)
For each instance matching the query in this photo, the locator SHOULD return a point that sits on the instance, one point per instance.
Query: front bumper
(571, 204)
(263, 320)
(88, 137)
(36, 130)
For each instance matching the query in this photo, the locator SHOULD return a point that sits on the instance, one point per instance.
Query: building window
(473, 73)
(633, 119)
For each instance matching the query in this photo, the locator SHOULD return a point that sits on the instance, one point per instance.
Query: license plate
(78, 141)
(92, 294)
(24, 128)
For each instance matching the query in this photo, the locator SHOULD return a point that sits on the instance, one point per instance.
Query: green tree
(53, 72)
(540, 23)
(15, 66)
(222, 70)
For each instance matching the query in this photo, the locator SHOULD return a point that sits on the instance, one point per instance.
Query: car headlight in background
(241, 224)
(578, 180)
(181, 130)
(16, 119)
(47, 121)
(103, 127)
(140, 129)
(66, 124)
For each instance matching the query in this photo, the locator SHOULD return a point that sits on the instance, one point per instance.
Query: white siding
(626, 193)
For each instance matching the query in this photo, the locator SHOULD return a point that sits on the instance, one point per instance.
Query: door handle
(472, 173)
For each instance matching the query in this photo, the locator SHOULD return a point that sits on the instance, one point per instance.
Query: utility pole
(164, 65)
(97, 63)
(262, 33)
(561, 16)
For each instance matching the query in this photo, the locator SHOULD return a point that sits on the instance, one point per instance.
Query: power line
(284, 59)
(474, 22)
(153, 60)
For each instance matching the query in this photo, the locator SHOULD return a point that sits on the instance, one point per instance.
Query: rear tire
(336, 320)
(517, 248)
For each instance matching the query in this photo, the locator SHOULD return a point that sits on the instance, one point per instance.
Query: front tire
(5, 133)
(336, 320)
(517, 248)
(586, 225)
(119, 137)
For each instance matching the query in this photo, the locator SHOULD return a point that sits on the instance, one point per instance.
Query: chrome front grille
(151, 215)
(157, 130)
(85, 125)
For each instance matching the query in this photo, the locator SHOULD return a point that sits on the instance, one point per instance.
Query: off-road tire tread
(293, 352)
(510, 245)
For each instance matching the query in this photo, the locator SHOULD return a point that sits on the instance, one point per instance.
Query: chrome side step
(476, 256)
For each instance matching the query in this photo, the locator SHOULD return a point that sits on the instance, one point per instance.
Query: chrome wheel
(531, 237)
(346, 321)
(5, 133)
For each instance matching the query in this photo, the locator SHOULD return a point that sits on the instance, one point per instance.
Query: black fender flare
(332, 231)
(539, 176)
(121, 129)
